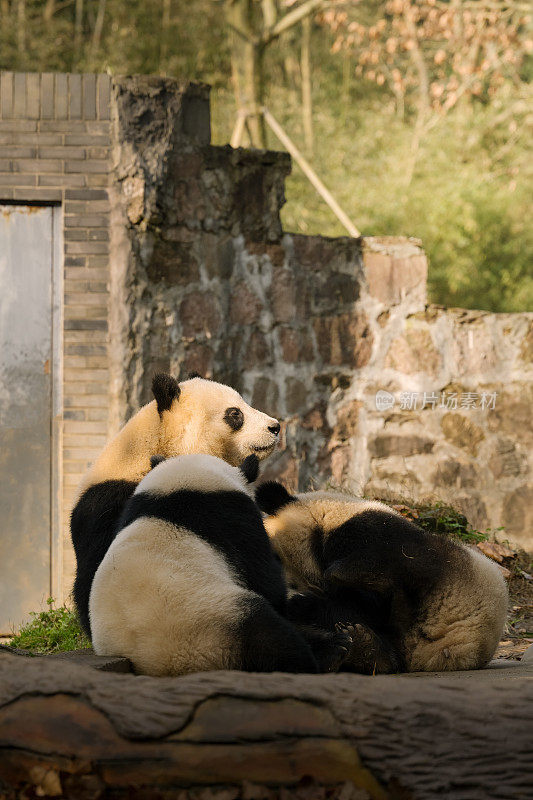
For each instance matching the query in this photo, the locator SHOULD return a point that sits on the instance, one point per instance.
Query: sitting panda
(195, 416)
(431, 603)
(191, 582)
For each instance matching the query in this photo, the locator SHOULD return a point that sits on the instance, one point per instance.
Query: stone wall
(460, 429)
(307, 328)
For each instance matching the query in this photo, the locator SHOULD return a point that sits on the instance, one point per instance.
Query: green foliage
(467, 201)
(464, 189)
(51, 631)
(41, 36)
(440, 518)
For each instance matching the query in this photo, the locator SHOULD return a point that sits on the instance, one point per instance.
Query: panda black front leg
(329, 648)
(369, 652)
(270, 643)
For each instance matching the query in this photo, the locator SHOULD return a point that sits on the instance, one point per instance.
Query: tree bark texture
(392, 737)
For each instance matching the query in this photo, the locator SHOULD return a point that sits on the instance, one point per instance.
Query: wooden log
(71, 731)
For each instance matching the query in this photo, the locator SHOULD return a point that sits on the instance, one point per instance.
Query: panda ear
(271, 496)
(340, 571)
(194, 375)
(351, 571)
(250, 468)
(166, 389)
(155, 460)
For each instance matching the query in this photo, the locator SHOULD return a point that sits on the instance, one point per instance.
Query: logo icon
(384, 400)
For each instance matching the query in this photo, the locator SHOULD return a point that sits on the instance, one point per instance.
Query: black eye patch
(234, 417)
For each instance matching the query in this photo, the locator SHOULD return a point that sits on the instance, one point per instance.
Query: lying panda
(192, 583)
(431, 603)
(196, 416)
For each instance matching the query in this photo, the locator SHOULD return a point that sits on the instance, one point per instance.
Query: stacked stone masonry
(175, 259)
(310, 329)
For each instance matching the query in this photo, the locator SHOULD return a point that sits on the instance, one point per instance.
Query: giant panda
(195, 416)
(431, 603)
(191, 582)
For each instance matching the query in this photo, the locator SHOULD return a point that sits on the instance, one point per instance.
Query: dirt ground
(519, 629)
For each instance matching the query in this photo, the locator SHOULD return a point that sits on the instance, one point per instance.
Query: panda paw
(348, 629)
(330, 648)
(339, 645)
(369, 654)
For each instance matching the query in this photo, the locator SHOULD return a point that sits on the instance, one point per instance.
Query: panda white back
(191, 582)
(160, 586)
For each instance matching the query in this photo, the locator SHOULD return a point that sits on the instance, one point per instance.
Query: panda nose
(275, 429)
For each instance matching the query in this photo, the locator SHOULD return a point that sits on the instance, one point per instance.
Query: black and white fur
(191, 582)
(418, 601)
(195, 416)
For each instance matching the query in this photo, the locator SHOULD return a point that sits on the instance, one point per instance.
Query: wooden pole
(309, 172)
(238, 130)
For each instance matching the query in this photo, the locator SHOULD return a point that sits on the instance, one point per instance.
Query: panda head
(198, 473)
(201, 416)
(299, 525)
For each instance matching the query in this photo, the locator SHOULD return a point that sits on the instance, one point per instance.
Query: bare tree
(254, 28)
(439, 53)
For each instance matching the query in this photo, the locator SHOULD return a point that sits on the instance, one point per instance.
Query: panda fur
(195, 416)
(191, 582)
(431, 603)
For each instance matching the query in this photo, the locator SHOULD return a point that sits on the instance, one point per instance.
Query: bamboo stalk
(307, 97)
(310, 173)
(49, 11)
(98, 27)
(165, 24)
(78, 26)
(21, 27)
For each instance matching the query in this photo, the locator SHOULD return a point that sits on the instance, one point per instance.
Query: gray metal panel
(26, 253)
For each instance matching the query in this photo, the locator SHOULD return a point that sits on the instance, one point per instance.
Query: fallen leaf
(406, 511)
(496, 551)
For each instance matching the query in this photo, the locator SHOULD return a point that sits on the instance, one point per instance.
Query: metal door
(27, 250)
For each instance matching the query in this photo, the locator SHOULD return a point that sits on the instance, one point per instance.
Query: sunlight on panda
(191, 582)
(434, 603)
(194, 416)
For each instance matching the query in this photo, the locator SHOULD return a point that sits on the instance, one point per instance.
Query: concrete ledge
(86, 658)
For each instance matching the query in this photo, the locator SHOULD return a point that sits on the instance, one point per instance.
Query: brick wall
(55, 148)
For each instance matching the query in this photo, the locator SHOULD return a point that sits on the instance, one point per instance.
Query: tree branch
(242, 33)
(291, 19)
